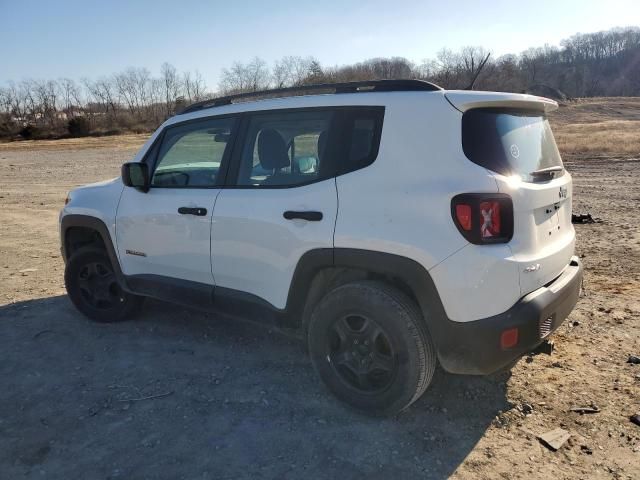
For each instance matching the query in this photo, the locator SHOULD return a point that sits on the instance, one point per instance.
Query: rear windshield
(509, 142)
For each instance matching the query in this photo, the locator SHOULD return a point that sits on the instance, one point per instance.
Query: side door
(280, 202)
(163, 235)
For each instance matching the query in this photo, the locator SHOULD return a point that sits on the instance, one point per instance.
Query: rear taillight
(483, 218)
(463, 216)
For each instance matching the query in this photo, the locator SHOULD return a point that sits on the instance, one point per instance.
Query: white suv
(395, 225)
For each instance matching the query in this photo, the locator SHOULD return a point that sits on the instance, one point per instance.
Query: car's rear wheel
(370, 345)
(93, 287)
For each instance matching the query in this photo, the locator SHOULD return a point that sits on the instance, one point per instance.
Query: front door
(165, 233)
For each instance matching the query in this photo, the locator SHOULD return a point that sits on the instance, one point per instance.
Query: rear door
(518, 145)
(280, 202)
(166, 231)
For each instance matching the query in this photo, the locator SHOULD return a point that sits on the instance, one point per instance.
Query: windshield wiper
(550, 171)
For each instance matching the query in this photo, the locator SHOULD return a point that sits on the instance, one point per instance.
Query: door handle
(308, 216)
(198, 211)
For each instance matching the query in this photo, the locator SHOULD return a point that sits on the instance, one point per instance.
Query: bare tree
(171, 86)
(156, 106)
(103, 94)
(194, 86)
(293, 71)
(251, 77)
(474, 60)
(71, 95)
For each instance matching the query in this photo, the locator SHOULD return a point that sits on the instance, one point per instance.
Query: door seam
(213, 212)
(335, 222)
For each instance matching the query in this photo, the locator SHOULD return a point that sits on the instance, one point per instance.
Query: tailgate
(509, 135)
(543, 236)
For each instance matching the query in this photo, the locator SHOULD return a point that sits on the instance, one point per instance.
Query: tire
(94, 290)
(371, 347)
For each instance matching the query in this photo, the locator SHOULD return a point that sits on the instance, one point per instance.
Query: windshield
(509, 142)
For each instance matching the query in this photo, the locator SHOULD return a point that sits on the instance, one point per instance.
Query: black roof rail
(347, 87)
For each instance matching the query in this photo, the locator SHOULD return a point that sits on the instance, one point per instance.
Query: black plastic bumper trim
(474, 347)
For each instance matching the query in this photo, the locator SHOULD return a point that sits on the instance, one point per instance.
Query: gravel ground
(182, 394)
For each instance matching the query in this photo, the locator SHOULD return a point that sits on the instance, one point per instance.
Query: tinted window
(285, 149)
(365, 138)
(190, 155)
(509, 142)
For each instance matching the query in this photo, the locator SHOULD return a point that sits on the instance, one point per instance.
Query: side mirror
(135, 174)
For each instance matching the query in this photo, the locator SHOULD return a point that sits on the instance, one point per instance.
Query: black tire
(396, 365)
(94, 290)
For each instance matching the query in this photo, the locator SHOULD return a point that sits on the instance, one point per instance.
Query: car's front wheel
(93, 287)
(371, 347)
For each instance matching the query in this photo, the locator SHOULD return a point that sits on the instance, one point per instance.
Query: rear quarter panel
(401, 204)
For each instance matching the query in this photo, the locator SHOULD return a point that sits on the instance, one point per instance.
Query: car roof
(372, 93)
(408, 85)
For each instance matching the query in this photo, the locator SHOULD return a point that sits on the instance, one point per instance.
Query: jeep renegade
(394, 224)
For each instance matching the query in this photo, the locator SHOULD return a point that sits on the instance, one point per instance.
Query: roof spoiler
(465, 100)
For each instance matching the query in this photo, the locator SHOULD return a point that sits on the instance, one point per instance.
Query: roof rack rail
(347, 87)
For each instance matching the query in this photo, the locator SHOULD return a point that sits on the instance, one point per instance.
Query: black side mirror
(135, 174)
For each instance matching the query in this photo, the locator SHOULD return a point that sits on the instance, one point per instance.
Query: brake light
(483, 218)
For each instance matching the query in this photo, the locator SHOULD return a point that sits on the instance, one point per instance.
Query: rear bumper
(475, 347)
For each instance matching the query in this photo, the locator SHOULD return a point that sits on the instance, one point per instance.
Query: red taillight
(463, 215)
(509, 338)
(490, 217)
(483, 218)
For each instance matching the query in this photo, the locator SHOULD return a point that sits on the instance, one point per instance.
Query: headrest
(272, 150)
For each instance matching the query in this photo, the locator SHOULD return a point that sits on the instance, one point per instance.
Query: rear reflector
(509, 338)
(483, 218)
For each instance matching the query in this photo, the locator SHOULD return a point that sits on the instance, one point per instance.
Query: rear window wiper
(549, 171)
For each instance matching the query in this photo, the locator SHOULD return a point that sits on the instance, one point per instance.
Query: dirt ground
(181, 394)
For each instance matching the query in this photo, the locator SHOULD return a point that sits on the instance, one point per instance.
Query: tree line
(595, 64)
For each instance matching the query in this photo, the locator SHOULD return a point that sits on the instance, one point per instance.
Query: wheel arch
(77, 231)
(319, 271)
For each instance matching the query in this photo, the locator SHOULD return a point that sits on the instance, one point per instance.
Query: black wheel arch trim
(94, 223)
(408, 271)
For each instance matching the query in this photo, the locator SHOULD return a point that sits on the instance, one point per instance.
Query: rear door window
(285, 148)
(509, 142)
(298, 147)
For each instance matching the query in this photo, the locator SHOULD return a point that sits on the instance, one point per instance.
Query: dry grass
(609, 126)
(613, 137)
(115, 141)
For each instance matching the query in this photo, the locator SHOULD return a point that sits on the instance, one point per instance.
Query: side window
(285, 149)
(366, 130)
(190, 155)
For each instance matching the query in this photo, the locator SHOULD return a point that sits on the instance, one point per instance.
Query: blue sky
(52, 39)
